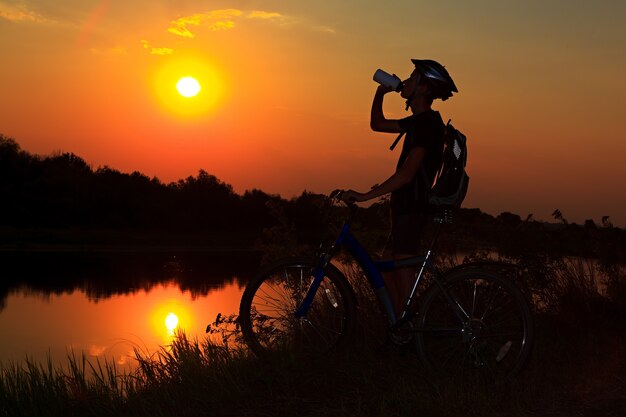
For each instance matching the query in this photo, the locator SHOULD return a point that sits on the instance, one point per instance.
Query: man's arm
(402, 176)
(378, 122)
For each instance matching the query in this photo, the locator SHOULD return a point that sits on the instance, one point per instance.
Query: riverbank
(574, 371)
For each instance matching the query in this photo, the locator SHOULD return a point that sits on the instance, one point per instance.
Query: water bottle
(388, 80)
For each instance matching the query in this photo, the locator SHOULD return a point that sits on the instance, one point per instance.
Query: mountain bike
(470, 319)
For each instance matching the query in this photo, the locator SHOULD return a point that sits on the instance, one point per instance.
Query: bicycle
(470, 319)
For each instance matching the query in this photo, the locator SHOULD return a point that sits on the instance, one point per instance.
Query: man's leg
(405, 277)
(399, 282)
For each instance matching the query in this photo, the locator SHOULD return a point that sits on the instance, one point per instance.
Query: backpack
(451, 182)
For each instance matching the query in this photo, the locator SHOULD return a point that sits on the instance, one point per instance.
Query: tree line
(62, 191)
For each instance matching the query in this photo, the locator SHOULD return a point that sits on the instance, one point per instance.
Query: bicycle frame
(373, 271)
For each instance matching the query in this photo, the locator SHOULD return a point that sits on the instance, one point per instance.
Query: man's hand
(351, 196)
(383, 89)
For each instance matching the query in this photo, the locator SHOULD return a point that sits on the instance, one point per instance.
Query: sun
(188, 87)
(171, 322)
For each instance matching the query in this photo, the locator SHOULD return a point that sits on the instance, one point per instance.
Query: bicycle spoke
(459, 306)
(474, 299)
(319, 333)
(276, 301)
(491, 301)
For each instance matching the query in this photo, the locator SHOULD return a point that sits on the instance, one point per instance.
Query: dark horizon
(10, 148)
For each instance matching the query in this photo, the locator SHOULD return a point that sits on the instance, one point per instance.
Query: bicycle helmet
(439, 79)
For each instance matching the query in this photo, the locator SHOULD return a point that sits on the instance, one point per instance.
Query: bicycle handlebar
(336, 195)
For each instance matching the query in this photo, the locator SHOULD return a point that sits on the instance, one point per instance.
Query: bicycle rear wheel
(479, 327)
(270, 300)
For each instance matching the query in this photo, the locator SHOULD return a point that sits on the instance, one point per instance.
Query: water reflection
(108, 305)
(102, 275)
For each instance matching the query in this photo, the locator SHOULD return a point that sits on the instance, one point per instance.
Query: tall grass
(81, 387)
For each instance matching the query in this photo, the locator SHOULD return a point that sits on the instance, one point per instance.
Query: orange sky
(287, 90)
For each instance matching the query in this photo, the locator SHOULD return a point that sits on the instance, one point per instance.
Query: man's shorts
(407, 232)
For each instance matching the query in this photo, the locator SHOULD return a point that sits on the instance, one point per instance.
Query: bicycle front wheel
(476, 324)
(269, 302)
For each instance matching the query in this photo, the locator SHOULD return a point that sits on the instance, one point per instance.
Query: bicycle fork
(318, 276)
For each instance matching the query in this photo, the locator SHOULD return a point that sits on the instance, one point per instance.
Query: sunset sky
(287, 89)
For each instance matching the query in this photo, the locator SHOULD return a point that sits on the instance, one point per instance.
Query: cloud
(214, 20)
(161, 51)
(284, 20)
(179, 26)
(258, 14)
(222, 25)
(224, 19)
(156, 51)
(20, 13)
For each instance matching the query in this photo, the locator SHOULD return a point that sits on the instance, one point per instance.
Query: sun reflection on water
(171, 322)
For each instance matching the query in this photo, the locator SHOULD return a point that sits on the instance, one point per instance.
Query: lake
(107, 304)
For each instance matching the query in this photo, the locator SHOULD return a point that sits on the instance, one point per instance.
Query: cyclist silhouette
(418, 164)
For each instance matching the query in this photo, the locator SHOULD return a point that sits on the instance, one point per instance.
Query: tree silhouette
(60, 198)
